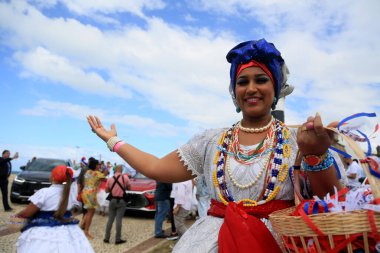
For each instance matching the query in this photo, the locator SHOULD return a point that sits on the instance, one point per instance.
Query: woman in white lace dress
(246, 165)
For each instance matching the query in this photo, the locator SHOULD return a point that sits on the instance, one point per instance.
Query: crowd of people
(89, 187)
(238, 175)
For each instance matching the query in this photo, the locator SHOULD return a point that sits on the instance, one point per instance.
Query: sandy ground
(137, 227)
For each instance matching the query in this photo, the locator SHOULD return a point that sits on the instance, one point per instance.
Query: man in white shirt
(182, 194)
(353, 170)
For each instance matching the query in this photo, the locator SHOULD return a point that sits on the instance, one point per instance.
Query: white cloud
(331, 49)
(170, 72)
(57, 69)
(84, 7)
(91, 8)
(149, 126)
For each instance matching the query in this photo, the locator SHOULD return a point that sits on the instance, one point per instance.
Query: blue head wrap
(260, 51)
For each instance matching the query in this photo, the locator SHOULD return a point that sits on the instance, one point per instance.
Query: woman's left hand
(313, 138)
(99, 129)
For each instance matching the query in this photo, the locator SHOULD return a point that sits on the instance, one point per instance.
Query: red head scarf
(59, 173)
(254, 63)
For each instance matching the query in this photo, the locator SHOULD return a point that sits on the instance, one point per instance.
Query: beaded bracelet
(324, 165)
(112, 142)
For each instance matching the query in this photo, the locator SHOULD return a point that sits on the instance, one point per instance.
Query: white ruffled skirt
(59, 239)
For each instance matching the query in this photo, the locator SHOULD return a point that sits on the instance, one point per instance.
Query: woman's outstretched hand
(97, 127)
(313, 138)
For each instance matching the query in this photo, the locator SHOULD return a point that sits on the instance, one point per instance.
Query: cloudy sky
(157, 68)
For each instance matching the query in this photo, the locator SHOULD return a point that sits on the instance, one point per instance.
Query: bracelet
(112, 142)
(117, 146)
(296, 167)
(324, 165)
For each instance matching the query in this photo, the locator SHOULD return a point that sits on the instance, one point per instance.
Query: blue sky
(157, 69)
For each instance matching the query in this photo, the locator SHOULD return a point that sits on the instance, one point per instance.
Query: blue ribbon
(315, 207)
(46, 219)
(357, 115)
(369, 149)
(306, 207)
(340, 152)
(337, 169)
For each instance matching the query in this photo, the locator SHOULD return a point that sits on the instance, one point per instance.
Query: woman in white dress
(246, 165)
(50, 227)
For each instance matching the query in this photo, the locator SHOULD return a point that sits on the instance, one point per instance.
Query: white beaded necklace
(246, 186)
(255, 130)
(262, 169)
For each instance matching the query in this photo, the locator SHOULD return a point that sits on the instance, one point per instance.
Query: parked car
(34, 176)
(141, 193)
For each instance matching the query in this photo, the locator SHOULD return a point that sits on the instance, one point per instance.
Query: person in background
(182, 193)
(194, 203)
(109, 167)
(30, 161)
(102, 195)
(5, 172)
(50, 227)
(352, 172)
(162, 203)
(203, 196)
(92, 180)
(80, 184)
(173, 235)
(116, 187)
(361, 174)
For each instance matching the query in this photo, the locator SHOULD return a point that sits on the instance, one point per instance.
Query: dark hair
(5, 151)
(355, 160)
(59, 214)
(92, 164)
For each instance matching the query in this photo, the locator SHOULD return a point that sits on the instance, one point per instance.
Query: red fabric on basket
(340, 241)
(242, 231)
(372, 223)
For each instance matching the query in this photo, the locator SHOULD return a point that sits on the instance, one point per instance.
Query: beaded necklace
(248, 157)
(278, 170)
(255, 130)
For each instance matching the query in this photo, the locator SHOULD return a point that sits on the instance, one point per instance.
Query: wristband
(117, 146)
(323, 165)
(313, 160)
(296, 167)
(112, 142)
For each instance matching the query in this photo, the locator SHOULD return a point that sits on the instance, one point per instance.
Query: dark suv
(33, 177)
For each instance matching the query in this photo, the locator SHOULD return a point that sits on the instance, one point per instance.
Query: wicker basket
(342, 232)
(337, 227)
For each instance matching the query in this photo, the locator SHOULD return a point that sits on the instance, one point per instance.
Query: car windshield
(44, 164)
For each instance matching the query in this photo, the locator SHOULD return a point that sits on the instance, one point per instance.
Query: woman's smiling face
(254, 92)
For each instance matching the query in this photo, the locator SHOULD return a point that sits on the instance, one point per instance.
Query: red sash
(242, 231)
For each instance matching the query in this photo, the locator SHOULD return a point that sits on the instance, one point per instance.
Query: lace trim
(182, 158)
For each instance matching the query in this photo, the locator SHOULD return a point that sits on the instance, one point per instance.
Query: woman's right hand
(97, 127)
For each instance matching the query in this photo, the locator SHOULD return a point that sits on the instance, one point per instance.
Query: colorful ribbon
(358, 115)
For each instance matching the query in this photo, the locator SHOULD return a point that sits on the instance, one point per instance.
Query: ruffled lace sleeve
(38, 198)
(194, 152)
